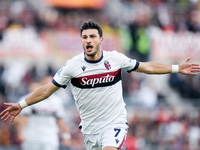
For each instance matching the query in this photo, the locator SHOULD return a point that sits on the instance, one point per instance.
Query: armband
(175, 68)
(23, 103)
(66, 136)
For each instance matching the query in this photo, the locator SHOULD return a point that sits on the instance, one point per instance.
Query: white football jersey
(42, 120)
(97, 88)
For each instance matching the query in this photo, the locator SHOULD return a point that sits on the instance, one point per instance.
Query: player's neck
(96, 57)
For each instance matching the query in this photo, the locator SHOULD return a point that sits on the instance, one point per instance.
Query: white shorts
(113, 135)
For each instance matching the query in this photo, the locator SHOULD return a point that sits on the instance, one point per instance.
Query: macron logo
(116, 140)
(83, 68)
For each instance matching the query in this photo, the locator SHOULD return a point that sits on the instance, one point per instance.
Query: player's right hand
(11, 111)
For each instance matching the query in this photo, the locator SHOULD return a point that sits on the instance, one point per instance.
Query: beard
(93, 54)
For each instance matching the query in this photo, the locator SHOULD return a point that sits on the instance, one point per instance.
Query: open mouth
(89, 47)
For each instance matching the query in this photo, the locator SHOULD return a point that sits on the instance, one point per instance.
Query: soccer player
(39, 126)
(95, 76)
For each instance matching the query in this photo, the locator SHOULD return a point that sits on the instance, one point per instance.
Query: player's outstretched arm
(157, 68)
(38, 95)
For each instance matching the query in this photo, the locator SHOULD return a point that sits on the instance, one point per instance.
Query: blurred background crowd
(38, 37)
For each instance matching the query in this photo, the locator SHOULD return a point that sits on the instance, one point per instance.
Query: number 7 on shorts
(117, 131)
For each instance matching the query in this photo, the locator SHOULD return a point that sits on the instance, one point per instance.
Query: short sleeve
(62, 76)
(127, 63)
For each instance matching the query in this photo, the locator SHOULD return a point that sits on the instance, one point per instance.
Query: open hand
(11, 111)
(188, 68)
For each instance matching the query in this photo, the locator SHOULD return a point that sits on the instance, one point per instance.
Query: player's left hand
(188, 68)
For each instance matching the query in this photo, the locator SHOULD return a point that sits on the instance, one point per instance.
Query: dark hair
(90, 24)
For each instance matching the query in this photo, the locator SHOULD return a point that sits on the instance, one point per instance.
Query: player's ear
(101, 40)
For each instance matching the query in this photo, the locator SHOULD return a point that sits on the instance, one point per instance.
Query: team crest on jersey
(107, 65)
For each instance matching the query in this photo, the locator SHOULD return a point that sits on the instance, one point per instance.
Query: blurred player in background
(95, 77)
(39, 125)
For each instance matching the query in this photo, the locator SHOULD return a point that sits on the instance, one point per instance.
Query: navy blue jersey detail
(136, 66)
(89, 61)
(58, 85)
(98, 80)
